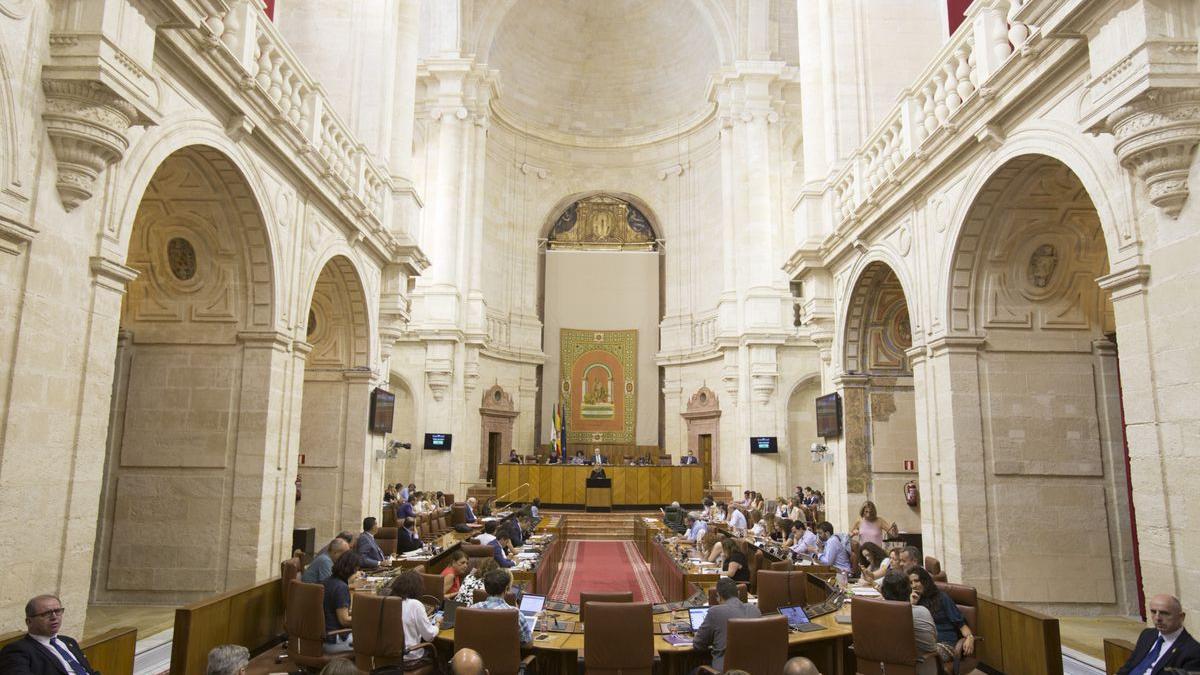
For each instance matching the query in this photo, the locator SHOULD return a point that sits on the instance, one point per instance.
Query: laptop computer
(531, 605)
(696, 617)
(449, 609)
(798, 620)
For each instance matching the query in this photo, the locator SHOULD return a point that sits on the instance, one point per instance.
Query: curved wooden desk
(563, 484)
(558, 648)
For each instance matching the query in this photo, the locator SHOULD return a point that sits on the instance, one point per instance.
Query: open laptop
(449, 609)
(798, 620)
(696, 617)
(531, 605)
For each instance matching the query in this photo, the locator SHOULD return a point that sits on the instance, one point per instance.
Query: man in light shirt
(489, 533)
(833, 551)
(737, 520)
(696, 528)
(806, 541)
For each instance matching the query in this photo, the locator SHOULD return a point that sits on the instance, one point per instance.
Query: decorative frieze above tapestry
(598, 385)
(602, 222)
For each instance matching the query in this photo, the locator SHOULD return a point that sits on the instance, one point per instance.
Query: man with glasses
(43, 651)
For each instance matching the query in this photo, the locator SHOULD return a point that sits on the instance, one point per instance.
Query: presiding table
(566, 484)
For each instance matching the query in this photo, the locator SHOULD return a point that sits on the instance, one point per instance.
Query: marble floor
(1086, 633)
(148, 619)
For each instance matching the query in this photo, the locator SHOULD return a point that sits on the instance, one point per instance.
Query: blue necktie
(66, 654)
(1144, 665)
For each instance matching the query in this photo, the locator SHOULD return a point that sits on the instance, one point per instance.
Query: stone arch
(341, 336)
(497, 415)
(850, 326)
(717, 19)
(10, 166)
(703, 418)
(1095, 169)
(1038, 358)
(195, 375)
(201, 137)
(561, 205)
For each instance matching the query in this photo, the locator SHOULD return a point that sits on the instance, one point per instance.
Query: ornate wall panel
(598, 384)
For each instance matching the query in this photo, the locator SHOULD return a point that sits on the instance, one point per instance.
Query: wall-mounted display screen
(760, 445)
(383, 407)
(829, 416)
(438, 441)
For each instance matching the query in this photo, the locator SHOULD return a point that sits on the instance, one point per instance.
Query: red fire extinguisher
(297, 487)
(911, 495)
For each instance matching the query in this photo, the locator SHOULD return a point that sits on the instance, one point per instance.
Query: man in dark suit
(1167, 645)
(407, 538)
(367, 548)
(688, 459)
(713, 633)
(43, 651)
(598, 458)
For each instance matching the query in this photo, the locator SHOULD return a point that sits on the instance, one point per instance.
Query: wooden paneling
(632, 485)
(1116, 653)
(111, 652)
(250, 616)
(1018, 640)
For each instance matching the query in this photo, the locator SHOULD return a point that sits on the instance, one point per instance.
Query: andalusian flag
(558, 449)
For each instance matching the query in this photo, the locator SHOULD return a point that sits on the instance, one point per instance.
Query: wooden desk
(563, 484)
(599, 498)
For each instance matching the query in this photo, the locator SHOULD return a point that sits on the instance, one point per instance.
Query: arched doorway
(184, 505)
(801, 434)
(1042, 472)
(339, 472)
(878, 399)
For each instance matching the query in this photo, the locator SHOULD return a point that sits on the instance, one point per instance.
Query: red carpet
(603, 567)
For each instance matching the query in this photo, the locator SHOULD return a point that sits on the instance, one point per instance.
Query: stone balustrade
(957, 77)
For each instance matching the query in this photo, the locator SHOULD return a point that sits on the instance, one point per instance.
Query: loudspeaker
(305, 539)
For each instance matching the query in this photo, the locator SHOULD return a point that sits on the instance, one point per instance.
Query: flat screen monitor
(383, 406)
(532, 604)
(438, 441)
(696, 617)
(761, 445)
(829, 416)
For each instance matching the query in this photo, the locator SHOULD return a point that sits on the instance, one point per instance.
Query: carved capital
(1156, 136)
(87, 124)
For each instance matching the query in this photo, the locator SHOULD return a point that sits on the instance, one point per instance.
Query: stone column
(923, 408)
(1112, 445)
(852, 468)
(362, 474)
(952, 370)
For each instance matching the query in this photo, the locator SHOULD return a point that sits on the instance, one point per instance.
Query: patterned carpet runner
(603, 567)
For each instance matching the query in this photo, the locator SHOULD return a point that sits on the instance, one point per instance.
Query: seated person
(42, 649)
(954, 637)
(489, 533)
(534, 508)
(516, 531)
(579, 458)
(799, 665)
(501, 546)
(406, 507)
(472, 519)
(736, 566)
(337, 604)
(227, 660)
(1178, 649)
(673, 517)
(513, 457)
(417, 626)
(497, 583)
(553, 459)
(737, 520)
(909, 557)
(408, 539)
(873, 563)
(469, 662)
(895, 587)
(763, 525)
(454, 573)
(474, 580)
(389, 493)
(696, 528)
(689, 458)
(713, 633)
(369, 553)
(833, 551)
(598, 458)
(322, 565)
(804, 540)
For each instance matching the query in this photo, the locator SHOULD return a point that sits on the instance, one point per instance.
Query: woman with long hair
(870, 527)
(474, 580)
(454, 573)
(954, 636)
(873, 562)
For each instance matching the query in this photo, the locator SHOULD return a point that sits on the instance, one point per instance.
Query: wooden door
(494, 438)
(706, 452)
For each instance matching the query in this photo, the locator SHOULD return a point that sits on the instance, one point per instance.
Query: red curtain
(956, 9)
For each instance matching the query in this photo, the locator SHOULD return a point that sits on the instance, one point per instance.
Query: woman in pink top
(870, 527)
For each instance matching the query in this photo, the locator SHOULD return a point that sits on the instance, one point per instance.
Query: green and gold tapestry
(598, 385)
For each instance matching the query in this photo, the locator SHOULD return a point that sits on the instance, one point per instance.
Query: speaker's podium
(598, 491)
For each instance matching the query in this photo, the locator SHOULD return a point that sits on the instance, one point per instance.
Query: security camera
(397, 445)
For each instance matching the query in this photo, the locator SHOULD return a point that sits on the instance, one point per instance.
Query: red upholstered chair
(883, 637)
(967, 601)
(757, 646)
(781, 589)
(379, 634)
(386, 538)
(619, 638)
(304, 623)
(495, 634)
(586, 598)
(757, 562)
(780, 566)
(458, 513)
(432, 585)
